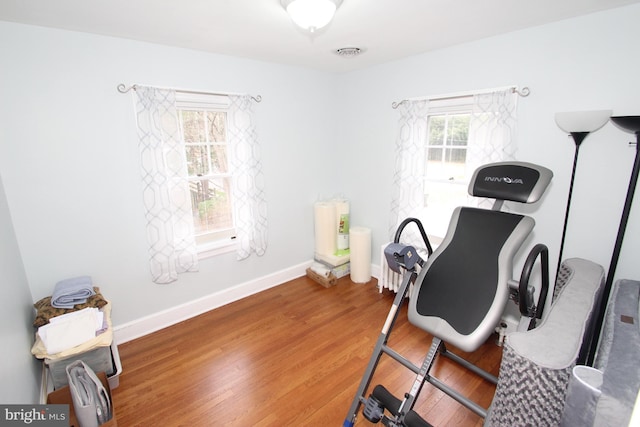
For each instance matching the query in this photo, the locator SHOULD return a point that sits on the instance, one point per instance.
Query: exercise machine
(458, 293)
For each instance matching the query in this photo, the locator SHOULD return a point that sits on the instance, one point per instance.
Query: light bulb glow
(311, 14)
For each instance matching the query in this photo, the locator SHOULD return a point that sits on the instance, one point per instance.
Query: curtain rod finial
(123, 89)
(524, 92)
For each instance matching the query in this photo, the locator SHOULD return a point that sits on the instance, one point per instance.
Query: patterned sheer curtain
(170, 232)
(408, 179)
(249, 205)
(492, 130)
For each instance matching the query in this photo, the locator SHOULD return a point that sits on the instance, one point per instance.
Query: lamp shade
(311, 14)
(627, 123)
(582, 121)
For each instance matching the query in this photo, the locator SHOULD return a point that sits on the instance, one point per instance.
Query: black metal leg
(379, 348)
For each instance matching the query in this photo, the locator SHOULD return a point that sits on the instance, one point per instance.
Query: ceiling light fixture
(311, 15)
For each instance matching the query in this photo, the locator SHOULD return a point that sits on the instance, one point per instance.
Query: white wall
(69, 158)
(19, 371)
(578, 64)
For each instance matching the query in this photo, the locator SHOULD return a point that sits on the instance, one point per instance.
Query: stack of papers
(71, 329)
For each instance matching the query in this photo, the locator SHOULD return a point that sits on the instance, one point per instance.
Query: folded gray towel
(70, 292)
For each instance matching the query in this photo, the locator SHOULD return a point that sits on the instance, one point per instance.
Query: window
(203, 126)
(446, 179)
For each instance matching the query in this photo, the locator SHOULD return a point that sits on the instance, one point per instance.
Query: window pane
(445, 181)
(458, 130)
(455, 165)
(436, 167)
(193, 126)
(211, 204)
(457, 156)
(197, 163)
(217, 126)
(435, 154)
(436, 130)
(204, 128)
(447, 164)
(219, 158)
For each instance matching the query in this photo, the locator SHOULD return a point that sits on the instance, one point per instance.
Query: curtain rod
(524, 92)
(124, 89)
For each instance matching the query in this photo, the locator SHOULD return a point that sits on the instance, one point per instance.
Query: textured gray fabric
(582, 397)
(536, 365)
(564, 274)
(556, 341)
(617, 355)
(527, 394)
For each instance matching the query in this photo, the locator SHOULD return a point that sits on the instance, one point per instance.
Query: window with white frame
(203, 127)
(446, 176)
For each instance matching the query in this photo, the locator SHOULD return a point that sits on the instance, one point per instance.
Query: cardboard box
(324, 281)
(62, 396)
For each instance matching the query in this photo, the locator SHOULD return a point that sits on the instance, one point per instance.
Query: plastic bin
(101, 359)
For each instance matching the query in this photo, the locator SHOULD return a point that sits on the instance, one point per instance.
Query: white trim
(218, 247)
(154, 322)
(375, 271)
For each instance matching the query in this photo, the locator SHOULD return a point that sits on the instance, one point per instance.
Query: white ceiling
(385, 29)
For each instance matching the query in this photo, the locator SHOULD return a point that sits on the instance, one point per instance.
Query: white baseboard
(154, 322)
(375, 271)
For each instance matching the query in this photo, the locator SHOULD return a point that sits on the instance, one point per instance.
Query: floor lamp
(629, 124)
(578, 124)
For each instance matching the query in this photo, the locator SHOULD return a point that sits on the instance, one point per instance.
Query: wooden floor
(289, 356)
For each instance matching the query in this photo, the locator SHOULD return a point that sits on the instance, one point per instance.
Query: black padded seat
(461, 292)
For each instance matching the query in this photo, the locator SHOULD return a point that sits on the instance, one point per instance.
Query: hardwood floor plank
(291, 355)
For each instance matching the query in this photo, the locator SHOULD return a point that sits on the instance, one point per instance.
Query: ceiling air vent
(348, 52)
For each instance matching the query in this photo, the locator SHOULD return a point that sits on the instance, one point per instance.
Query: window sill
(208, 250)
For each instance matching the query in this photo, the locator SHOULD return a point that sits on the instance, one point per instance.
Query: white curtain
(408, 179)
(249, 205)
(492, 131)
(172, 248)
(492, 128)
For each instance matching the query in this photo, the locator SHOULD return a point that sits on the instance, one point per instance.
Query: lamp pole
(578, 137)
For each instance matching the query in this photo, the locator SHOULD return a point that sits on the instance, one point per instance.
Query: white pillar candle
(325, 228)
(360, 242)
